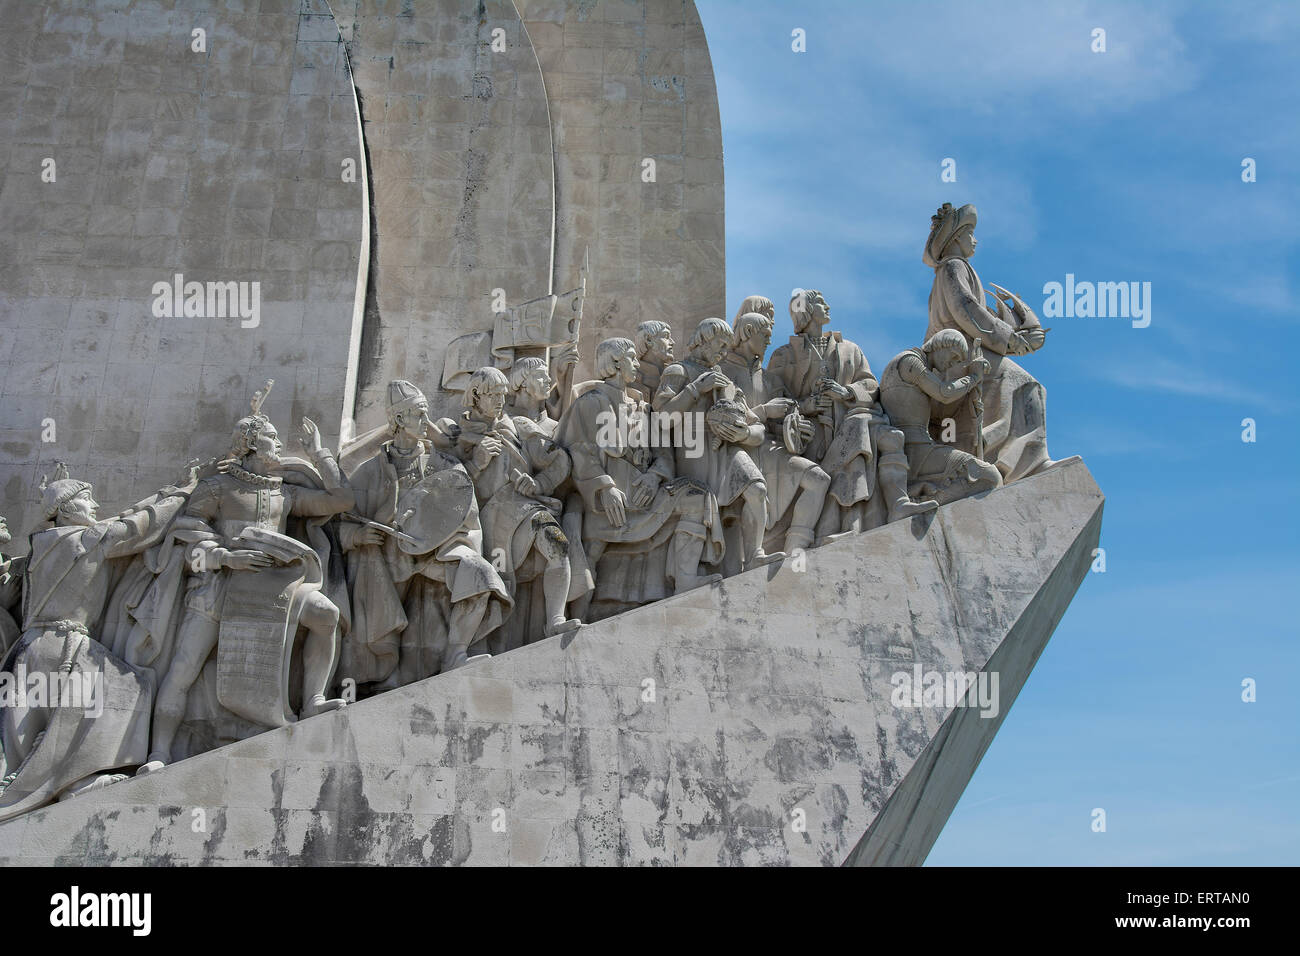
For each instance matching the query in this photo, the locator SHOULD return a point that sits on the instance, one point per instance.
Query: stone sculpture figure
(796, 486)
(929, 384)
(421, 600)
(92, 722)
(273, 581)
(635, 505)
(852, 439)
(513, 481)
(1014, 427)
(697, 386)
(654, 353)
(11, 592)
(532, 388)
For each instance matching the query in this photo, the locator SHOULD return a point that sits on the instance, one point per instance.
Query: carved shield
(794, 442)
(433, 509)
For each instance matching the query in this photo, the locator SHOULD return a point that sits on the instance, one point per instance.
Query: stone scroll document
(258, 622)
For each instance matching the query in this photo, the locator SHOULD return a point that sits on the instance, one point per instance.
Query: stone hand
(780, 407)
(643, 489)
(190, 474)
(309, 435)
(978, 368)
(526, 484)
(838, 392)
(733, 432)
(487, 449)
(247, 560)
(615, 503)
(371, 535)
(711, 381)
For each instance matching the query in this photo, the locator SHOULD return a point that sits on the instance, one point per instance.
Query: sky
(1122, 165)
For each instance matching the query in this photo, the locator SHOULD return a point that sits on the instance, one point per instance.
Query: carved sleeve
(578, 436)
(551, 465)
(861, 382)
(675, 393)
(142, 525)
(336, 497)
(914, 371)
(963, 303)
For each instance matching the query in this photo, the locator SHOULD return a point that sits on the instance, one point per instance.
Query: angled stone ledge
(771, 695)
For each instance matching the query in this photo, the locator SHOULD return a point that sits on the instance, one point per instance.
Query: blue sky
(1115, 166)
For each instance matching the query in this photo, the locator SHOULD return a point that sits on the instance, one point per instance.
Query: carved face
(79, 511)
(5, 537)
(661, 346)
(490, 401)
(819, 313)
(965, 242)
(626, 366)
(267, 446)
(537, 384)
(414, 420)
(761, 338)
(711, 352)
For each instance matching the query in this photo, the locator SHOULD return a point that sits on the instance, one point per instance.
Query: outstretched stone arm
(335, 498)
(141, 526)
(972, 316)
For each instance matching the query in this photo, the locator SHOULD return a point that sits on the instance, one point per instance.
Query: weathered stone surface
(459, 143)
(221, 165)
(771, 695)
(628, 81)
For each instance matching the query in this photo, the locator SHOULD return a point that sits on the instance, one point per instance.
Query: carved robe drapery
(50, 745)
(403, 603)
(1015, 405)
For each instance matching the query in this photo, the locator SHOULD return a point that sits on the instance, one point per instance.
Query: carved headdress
(244, 438)
(944, 225)
(59, 490)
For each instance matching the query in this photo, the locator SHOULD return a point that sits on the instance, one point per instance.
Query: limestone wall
(221, 165)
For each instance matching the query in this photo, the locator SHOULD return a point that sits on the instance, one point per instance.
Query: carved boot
(799, 538)
(893, 485)
(688, 546)
(555, 586)
(320, 705)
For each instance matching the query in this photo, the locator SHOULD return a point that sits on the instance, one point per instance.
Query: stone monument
(564, 596)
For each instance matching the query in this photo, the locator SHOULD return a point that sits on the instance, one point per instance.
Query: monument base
(785, 716)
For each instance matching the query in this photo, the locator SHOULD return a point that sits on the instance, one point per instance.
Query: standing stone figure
(273, 581)
(531, 386)
(420, 599)
(1015, 405)
(697, 386)
(796, 486)
(93, 717)
(928, 384)
(852, 439)
(654, 353)
(513, 481)
(11, 592)
(635, 504)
